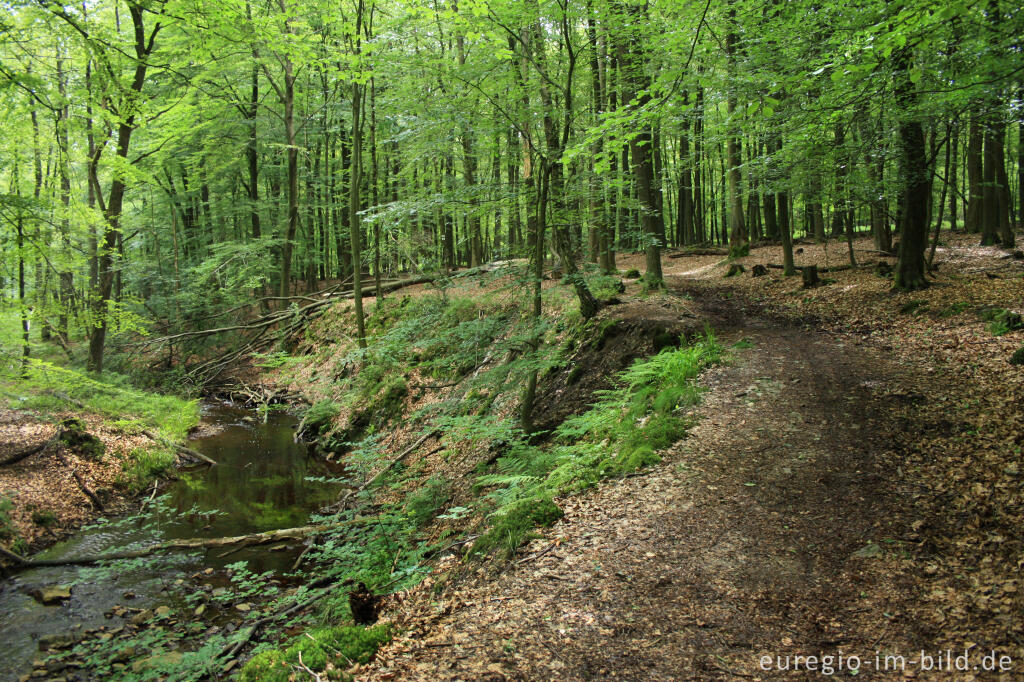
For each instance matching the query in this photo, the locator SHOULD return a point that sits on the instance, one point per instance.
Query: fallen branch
(81, 482)
(24, 454)
(264, 538)
(231, 650)
(11, 556)
(188, 452)
(398, 458)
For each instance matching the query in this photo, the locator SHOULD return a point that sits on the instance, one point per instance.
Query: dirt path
(766, 532)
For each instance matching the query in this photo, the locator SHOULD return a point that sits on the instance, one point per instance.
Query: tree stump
(364, 605)
(811, 278)
(735, 269)
(74, 437)
(759, 271)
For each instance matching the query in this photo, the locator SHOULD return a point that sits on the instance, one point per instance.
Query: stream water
(259, 484)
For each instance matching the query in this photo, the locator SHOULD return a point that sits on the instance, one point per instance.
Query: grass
(53, 385)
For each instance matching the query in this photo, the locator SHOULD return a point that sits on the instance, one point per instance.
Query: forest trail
(755, 536)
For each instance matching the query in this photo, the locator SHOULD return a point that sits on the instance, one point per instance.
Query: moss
(575, 374)
(739, 251)
(311, 652)
(353, 643)
(1018, 357)
(269, 666)
(513, 527)
(606, 330)
(341, 646)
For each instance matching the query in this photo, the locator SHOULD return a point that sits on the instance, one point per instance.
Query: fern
(618, 434)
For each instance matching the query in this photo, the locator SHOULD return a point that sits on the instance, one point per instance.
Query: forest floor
(851, 488)
(47, 503)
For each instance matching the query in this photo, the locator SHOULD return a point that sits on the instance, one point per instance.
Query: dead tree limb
(264, 538)
(391, 465)
(699, 252)
(81, 482)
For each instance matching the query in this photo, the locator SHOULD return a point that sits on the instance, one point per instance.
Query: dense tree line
(167, 159)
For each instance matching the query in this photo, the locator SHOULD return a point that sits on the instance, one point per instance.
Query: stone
(162, 611)
(51, 594)
(58, 640)
(165, 660)
(871, 550)
(244, 608)
(200, 610)
(141, 617)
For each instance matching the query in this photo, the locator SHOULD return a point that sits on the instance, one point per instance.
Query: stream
(259, 484)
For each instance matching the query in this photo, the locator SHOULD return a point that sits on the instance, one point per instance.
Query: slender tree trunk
(355, 237)
(942, 198)
(739, 243)
(115, 199)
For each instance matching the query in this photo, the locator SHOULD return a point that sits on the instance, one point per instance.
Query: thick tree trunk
(910, 266)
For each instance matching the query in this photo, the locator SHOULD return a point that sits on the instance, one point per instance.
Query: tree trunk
(910, 266)
(115, 198)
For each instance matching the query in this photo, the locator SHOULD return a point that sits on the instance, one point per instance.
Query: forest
(497, 339)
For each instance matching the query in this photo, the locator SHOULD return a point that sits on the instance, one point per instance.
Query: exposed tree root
(24, 454)
(188, 452)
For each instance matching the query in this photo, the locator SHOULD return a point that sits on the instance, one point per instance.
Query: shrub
(423, 504)
(1018, 357)
(632, 273)
(619, 434)
(143, 465)
(1003, 321)
(320, 415)
(44, 518)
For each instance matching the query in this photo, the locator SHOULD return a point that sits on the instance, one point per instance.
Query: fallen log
(833, 268)
(264, 538)
(699, 252)
(188, 452)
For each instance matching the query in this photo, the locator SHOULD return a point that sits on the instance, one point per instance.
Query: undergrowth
(620, 433)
